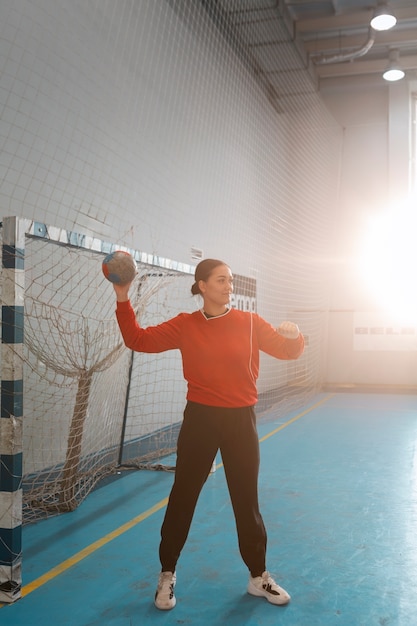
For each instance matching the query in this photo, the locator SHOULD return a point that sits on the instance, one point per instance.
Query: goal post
(11, 443)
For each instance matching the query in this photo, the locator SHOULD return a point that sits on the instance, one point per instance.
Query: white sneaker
(266, 587)
(164, 596)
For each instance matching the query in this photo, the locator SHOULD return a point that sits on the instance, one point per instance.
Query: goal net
(79, 401)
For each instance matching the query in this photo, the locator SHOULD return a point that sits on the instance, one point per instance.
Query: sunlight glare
(388, 262)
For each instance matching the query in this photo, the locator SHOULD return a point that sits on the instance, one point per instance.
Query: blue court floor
(338, 492)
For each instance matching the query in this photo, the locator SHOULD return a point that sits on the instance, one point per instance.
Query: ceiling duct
(320, 59)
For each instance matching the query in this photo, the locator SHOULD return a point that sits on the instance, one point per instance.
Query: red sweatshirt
(220, 355)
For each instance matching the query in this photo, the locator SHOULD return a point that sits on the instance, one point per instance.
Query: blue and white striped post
(13, 252)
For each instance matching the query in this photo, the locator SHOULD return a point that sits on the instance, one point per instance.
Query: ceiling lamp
(393, 71)
(383, 18)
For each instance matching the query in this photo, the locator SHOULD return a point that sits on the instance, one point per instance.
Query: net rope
(76, 372)
(170, 124)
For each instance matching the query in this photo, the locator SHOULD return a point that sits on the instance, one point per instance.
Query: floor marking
(295, 418)
(79, 556)
(76, 558)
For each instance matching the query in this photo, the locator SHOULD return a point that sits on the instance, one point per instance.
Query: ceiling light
(383, 18)
(393, 71)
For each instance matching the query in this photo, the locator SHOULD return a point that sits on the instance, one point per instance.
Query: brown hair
(203, 271)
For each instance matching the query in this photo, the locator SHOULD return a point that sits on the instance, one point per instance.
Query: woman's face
(217, 289)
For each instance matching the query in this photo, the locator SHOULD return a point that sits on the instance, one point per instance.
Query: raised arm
(164, 336)
(122, 292)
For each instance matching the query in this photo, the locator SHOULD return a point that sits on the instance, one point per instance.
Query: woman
(220, 354)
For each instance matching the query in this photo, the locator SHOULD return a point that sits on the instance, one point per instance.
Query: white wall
(123, 120)
(120, 121)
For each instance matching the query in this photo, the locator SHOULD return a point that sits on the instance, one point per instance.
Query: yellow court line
(68, 563)
(291, 421)
(296, 417)
(79, 556)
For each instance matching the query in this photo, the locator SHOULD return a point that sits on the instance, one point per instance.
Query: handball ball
(119, 267)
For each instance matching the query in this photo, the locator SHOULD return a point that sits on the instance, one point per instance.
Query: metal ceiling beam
(344, 41)
(361, 67)
(352, 20)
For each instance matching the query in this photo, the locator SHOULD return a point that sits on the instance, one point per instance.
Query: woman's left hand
(288, 330)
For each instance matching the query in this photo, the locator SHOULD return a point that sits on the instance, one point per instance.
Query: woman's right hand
(122, 292)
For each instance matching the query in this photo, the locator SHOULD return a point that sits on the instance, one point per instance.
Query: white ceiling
(332, 38)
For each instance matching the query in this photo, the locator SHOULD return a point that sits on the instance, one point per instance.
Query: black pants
(204, 431)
